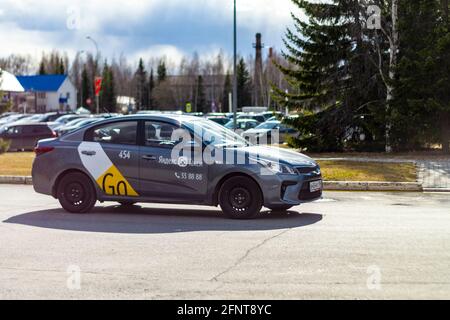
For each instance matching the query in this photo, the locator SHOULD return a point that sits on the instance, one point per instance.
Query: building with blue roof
(46, 93)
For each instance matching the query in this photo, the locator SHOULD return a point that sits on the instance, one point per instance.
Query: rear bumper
(42, 181)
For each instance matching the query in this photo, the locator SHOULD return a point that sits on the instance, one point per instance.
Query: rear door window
(114, 133)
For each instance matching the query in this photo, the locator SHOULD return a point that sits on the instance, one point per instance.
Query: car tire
(76, 193)
(240, 198)
(280, 208)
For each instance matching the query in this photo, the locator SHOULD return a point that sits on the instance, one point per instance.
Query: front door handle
(89, 153)
(149, 158)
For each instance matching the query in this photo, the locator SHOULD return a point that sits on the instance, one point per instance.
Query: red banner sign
(98, 86)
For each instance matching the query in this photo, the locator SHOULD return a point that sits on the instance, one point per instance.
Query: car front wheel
(76, 194)
(240, 198)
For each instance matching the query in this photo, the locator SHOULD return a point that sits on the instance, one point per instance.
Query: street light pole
(97, 102)
(235, 100)
(81, 86)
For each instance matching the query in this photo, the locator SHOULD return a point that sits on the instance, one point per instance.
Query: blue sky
(137, 28)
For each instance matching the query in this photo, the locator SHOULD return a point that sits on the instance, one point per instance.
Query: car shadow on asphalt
(140, 220)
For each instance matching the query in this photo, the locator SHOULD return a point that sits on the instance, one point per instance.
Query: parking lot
(349, 245)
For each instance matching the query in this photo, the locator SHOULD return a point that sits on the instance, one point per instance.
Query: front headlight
(276, 167)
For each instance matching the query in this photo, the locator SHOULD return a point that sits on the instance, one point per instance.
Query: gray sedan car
(171, 159)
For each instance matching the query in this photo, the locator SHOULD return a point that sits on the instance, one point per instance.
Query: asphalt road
(349, 246)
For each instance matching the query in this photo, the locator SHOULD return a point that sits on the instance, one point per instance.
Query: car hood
(278, 155)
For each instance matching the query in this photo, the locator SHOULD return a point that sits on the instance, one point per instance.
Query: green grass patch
(368, 171)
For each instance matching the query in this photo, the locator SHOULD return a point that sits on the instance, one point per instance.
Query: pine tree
(61, 67)
(442, 85)
(201, 99)
(333, 76)
(108, 96)
(162, 71)
(141, 87)
(151, 87)
(244, 95)
(86, 88)
(4, 105)
(42, 68)
(227, 89)
(414, 113)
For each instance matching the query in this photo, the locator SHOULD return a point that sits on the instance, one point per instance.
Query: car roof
(153, 117)
(171, 118)
(27, 124)
(273, 121)
(246, 120)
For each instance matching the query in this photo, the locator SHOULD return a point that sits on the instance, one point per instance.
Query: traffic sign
(188, 107)
(98, 85)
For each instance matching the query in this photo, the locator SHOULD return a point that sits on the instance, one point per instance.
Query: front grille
(306, 195)
(308, 170)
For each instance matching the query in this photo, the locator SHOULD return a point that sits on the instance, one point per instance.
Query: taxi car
(131, 159)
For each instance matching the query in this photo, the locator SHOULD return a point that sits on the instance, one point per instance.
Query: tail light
(41, 150)
(54, 134)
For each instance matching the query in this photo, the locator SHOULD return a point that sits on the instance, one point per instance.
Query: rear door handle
(149, 158)
(89, 153)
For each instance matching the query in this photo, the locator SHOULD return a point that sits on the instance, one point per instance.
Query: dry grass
(16, 163)
(19, 163)
(370, 171)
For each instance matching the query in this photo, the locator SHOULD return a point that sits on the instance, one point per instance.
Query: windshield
(74, 122)
(268, 125)
(215, 134)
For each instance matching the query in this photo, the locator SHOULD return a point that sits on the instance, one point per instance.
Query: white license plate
(315, 186)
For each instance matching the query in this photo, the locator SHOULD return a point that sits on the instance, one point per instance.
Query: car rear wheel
(76, 194)
(240, 198)
(281, 208)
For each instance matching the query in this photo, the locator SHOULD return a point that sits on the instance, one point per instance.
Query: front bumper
(290, 189)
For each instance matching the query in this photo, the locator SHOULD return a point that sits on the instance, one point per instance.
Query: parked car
(7, 114)
(30, 118)
(242, 124)
(25, 136)
(263, 132)
(131, 159)
(258, 117)
(222, 120)
(53, 116)
(67, 118)
(12, 118)
(271, 115)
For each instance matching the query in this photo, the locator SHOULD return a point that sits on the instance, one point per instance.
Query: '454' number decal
(126, 155)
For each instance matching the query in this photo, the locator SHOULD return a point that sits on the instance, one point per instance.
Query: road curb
(436, 190)
(328, 185)
(26, 180)
(372, 186)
